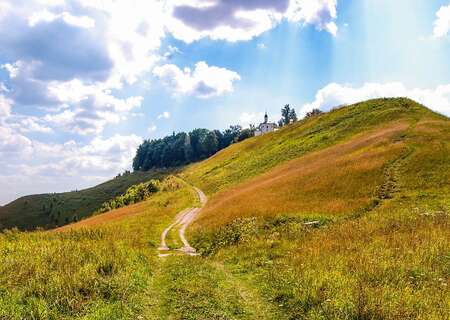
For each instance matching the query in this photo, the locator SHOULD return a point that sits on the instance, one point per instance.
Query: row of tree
(182, 148)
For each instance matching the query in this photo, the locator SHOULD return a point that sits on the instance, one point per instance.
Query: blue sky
(83, 82)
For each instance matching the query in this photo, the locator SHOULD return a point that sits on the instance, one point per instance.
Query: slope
(341, 216)
(52, 210)
(354, 229)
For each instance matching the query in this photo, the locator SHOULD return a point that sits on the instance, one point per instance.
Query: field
(379, 247)
(57, 209)
(101, 272)
(342, 216)
(384, 257)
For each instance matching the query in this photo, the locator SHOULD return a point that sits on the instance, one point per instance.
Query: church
(265, 127)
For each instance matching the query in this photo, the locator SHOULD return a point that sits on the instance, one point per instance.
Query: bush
(134, 194)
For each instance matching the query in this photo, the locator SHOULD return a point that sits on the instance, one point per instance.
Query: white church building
(265, 127)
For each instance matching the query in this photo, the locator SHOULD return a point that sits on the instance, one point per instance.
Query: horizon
(83, 83)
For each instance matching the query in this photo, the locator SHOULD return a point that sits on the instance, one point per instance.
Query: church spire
(266, 118)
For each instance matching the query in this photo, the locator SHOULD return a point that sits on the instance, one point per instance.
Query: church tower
(266, 118)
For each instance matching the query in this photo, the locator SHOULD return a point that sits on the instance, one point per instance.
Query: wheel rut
(181, 223)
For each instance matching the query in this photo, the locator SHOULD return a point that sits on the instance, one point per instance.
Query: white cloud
(25, 124)
(171, 51)
(47, 16)
(164, 115)
(120, 46)
(247, 118)
(5, 106)
(203, 82)
(320, 13)
(333, 95)
(53, 167)
(243, 20)
(442, 22)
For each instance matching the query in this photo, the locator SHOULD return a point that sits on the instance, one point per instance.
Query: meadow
(89, 270)
(342, 216)
(381, 245)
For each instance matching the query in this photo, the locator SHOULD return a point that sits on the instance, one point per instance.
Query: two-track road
(181, 222)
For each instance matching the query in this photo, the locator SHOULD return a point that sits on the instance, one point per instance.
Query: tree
(210, 144)
(312, 113)
(245, 134)
(183, 148)
(285, 114)
(293, 115)
(288, 115)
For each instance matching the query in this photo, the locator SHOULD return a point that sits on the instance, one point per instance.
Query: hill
(56, 209)
(344, 215)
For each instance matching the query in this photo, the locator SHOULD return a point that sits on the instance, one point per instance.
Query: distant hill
(57, 209)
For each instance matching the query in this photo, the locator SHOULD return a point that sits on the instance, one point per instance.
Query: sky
(84, 82)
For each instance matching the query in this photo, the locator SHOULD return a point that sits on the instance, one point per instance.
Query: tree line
(183, 148)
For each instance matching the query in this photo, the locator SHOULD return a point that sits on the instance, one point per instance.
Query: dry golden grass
(335, 181)
(112, 216)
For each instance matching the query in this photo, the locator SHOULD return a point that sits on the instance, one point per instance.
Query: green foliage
(134, 194)
(288, 115)
(312, 113)
(183, 148)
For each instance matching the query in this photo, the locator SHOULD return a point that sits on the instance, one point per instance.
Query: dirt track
(182, 221)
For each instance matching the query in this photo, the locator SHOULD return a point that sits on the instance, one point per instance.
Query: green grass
(387, 260)
(97, 273)
(53, 210)
(254, 156)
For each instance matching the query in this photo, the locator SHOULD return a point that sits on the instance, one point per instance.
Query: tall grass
(381, 247)
(101, 272)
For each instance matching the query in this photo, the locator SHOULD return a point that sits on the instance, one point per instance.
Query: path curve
(183, 220)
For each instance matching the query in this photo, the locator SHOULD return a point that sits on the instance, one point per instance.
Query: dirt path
(182, 221)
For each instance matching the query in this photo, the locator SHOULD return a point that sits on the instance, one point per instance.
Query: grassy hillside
(373, 178)
(257, 155)
(380, 203)
(57, 209)
(99, 273)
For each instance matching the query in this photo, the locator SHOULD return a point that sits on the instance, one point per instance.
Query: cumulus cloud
(442, 22)
(235, 20)
(74, 56)
(202, 82)
(320, 13)
(333, 95)
(53, 167)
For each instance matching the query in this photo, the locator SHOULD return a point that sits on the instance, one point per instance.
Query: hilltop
(344, 215)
